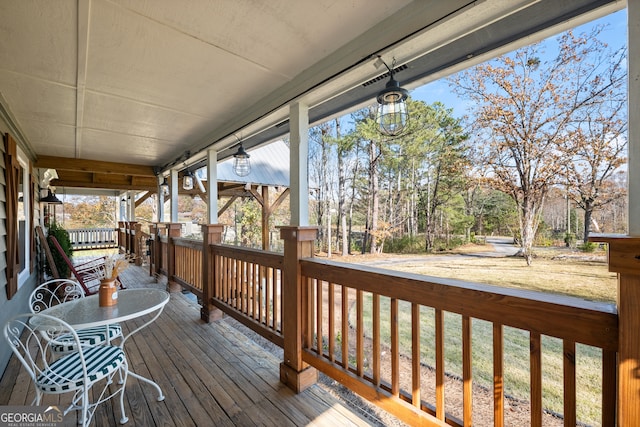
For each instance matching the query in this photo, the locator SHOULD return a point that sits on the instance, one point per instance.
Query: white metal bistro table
(85, 312)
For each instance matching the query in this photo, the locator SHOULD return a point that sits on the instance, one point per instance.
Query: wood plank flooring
(211, 374)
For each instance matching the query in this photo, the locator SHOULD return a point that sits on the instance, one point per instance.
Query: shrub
(62, 236)
(588, 247)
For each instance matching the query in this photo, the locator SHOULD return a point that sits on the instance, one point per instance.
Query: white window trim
(23, 275)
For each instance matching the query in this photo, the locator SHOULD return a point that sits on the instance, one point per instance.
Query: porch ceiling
(142, 82)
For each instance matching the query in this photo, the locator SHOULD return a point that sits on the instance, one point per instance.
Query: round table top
(85, 312)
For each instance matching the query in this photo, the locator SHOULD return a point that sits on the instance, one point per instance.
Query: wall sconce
(165, 187)
(392, 108)
(187, 180)
(241, 162)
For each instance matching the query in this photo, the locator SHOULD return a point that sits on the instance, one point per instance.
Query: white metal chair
(58, 291)
(90, 369)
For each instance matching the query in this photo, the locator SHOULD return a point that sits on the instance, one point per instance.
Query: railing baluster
(331, 321)
(467, 375)
(536, 378)
(268, 299)
(569, 374)
(319, 314)
(498, 376)
(375, 308)
(440, 408)
(609, 387)
(276, 311)
(345, 327)
(415, 354)
(359, 334)
(395, 349)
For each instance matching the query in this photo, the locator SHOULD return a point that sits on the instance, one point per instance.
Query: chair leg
(123, 377)
(84, 414)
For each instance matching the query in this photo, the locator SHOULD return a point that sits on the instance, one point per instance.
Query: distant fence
(93, 238)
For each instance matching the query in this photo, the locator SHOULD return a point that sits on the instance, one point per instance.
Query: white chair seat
(66, 374)
(90, 337)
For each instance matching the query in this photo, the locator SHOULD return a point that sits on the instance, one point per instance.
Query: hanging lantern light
(392, 106)
(241, 162)
(51, 198)
(165, 187)
(187, 180)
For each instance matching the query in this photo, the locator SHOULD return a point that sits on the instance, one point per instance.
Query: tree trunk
(375, 201)
(588, 212)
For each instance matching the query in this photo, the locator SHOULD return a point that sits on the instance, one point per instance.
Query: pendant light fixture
(51, 198)
(165, 187)
(392, 107)
(187, 180)
(241, 162)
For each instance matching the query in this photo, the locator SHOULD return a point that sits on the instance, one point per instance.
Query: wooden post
(131, 237)
(624, 259)
(153, 250)
(122, 241)
(298, 243)
(173, 231)
(211, 234)
(137, 247)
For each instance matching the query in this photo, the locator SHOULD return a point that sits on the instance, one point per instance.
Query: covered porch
(313, 309)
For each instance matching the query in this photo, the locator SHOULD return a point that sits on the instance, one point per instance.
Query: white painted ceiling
(144, 81)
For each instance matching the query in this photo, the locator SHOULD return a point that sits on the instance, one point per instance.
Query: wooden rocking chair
(87, 274)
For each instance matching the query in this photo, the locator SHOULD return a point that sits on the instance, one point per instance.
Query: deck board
(211, 374)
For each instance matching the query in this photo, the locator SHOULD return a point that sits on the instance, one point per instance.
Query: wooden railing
(188, 265)
(381, 333)
(247, 286)
(92, 238)
(357, 314)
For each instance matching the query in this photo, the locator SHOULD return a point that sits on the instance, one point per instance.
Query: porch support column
(299, 150)
(131, 205)
(633, 170)
(212, 187)
(173, 231)
(298, 243)
(211, 234)
(624, 259)
(160, 205)
(174, 195)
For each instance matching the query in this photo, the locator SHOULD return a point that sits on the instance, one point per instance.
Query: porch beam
(95, 166)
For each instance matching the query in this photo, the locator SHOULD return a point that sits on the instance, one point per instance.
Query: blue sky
(615, 34)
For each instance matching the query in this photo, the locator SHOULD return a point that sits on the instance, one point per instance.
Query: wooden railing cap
(298, 233)
(623, 254)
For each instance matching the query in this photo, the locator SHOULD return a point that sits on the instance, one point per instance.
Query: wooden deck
(211, 374)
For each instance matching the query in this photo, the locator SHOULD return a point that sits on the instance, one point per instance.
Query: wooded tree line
(542, 126)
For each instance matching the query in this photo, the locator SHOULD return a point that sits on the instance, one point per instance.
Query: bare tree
(525, 111)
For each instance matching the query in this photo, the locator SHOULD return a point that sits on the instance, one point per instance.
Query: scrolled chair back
(54, 292)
